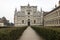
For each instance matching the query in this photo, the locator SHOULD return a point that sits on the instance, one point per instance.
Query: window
(28, 20)
(22, 21)
(28, 13)
(59, 21)
(59, 12)
(34, 21)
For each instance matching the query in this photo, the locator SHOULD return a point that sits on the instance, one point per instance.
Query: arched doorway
(28, 22)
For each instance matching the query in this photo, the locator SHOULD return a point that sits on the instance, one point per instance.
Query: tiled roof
(52, 10)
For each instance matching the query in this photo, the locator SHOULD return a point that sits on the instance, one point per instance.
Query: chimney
(59, 2)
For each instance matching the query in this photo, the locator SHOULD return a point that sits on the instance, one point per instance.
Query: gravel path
(30, 34)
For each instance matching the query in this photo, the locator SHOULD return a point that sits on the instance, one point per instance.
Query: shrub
(48, 34)
(11, 33)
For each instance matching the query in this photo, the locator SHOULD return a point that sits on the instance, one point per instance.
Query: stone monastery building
(28, 16)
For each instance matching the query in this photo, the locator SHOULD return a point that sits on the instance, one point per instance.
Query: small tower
(28, 4)
(55, 5)
(15, 13)
(15, 10)
(59, 2)
(41, 9)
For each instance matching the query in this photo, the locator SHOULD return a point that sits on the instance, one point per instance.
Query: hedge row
(48, 34)
(11, 33)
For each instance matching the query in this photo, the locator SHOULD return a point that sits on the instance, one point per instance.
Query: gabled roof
(52, 10)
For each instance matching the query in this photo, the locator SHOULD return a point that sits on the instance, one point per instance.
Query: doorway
(28, 22)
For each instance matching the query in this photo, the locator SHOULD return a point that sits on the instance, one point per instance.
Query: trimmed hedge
(11, 33)
(48, 34)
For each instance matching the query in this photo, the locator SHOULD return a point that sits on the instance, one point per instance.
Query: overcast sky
(7, 7)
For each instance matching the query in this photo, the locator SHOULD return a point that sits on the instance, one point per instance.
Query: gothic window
(56, 21)
(28, 13)
(28, 20)
(22, 21)
(34, 21)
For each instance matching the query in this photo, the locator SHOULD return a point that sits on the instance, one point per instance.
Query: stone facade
(28, 16)
(52, 18)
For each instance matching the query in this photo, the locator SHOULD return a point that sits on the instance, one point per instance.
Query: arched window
(22, 21)
(34, 21)
(28, 13)
(28, 20)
